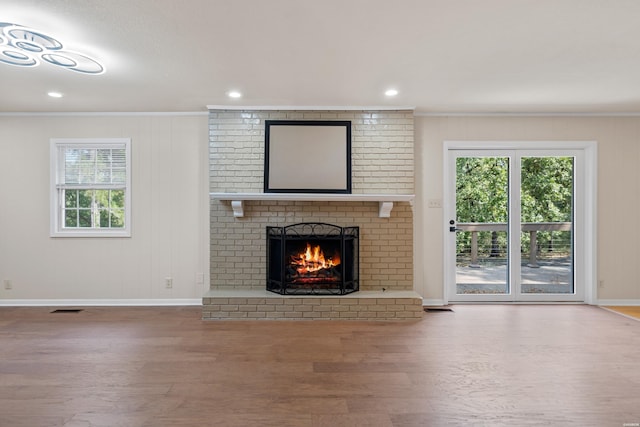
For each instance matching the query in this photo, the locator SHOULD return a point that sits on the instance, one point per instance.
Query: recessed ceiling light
(391, 92)
(234, 94)
(55, 94)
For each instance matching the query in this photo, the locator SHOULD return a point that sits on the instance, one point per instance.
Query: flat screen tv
(307, 156)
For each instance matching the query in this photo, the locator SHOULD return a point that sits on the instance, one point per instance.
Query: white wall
(618, 141)
(169, 223)
(171, 205)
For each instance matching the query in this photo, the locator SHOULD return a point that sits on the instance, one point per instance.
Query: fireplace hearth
(312, 259)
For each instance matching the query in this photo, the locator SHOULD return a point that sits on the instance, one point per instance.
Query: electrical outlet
(168, 282)
(200, 278)
(8, 285)
(601, 284)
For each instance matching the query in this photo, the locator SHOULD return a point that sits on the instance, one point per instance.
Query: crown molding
(310, 108)
(104, 114)
(524, 114)
(99, 302)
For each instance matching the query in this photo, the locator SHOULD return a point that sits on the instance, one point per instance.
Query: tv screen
(307, 156)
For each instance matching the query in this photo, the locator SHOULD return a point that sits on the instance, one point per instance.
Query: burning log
(313, 259)
(313, 266)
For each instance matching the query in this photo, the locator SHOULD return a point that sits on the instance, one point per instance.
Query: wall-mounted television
(307, 156)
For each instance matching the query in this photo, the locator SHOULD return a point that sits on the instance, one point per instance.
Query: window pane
(85, 218)
(104, 218)
(102, 198)
(117, 199)
(72, 174)
(117, 218)
(87, 155)
(103, 175)
(118, 176)
(85, 197)
(70, 218)
(71, 155)
(87, 166)
(108, 212)
(118, 158)
(71, 199)
(104, 156)
(71, 169)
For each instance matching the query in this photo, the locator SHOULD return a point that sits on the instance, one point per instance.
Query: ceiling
(443, 56)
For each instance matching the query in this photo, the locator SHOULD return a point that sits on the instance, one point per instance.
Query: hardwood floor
(631, 311)
(479, 365)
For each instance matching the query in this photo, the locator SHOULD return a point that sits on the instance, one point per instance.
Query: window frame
(57, 203)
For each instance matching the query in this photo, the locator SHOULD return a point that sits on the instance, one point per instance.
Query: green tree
(481, 189)
(547, 196)
(482, 197)
(547, 189)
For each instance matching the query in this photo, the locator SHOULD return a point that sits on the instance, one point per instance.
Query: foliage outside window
(482, 190)
(90, 187)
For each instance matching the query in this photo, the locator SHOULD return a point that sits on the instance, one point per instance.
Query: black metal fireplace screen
(312, 259)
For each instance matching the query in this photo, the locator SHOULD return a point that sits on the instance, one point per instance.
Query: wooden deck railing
(531, 227)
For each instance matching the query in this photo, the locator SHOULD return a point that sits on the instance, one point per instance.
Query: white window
(91, 187)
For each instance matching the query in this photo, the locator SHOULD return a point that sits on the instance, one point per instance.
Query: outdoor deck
(548, 278)
(541, 273)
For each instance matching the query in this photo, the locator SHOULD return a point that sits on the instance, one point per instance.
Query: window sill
(95, 234)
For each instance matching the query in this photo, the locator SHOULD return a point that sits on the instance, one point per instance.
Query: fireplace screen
(312, 259)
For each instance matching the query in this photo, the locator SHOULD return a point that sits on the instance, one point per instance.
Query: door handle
(454, 229)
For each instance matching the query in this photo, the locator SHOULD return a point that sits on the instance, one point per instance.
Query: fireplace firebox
(312, 259)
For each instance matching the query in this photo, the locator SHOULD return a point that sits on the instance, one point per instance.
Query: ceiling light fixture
(25, 47)
(234, 94)
(55, 94)
(391, 92)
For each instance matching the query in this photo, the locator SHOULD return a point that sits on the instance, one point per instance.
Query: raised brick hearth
(363, 305)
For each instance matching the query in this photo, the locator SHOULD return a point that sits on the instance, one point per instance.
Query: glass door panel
(481, 225)
(546, 216)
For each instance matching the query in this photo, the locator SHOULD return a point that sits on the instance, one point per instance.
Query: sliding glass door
(511, 225)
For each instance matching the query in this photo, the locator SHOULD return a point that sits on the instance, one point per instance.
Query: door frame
(588, 229)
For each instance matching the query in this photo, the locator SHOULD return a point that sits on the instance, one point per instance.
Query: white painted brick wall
(382, 149)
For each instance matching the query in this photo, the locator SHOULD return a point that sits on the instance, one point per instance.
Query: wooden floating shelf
(385, 201)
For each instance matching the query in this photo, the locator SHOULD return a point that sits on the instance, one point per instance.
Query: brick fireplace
(379, 206)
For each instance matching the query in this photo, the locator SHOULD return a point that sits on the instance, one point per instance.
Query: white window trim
(56, 228)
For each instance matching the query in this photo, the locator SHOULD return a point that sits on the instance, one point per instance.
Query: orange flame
(313, 259)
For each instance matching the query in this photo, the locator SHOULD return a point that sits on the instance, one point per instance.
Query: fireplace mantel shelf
(385, 201)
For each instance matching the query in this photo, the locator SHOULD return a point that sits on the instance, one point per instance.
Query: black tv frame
(346, 189)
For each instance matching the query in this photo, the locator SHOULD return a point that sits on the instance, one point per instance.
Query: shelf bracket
(238, 208)
(385, 209)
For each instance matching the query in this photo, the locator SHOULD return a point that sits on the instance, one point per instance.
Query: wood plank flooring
(480, 365)
(631, 311)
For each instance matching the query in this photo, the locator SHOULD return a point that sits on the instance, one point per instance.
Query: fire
(313, 259)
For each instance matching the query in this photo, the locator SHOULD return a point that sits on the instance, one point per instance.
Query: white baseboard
(630, 302)
(98, 302)
(432, 302)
